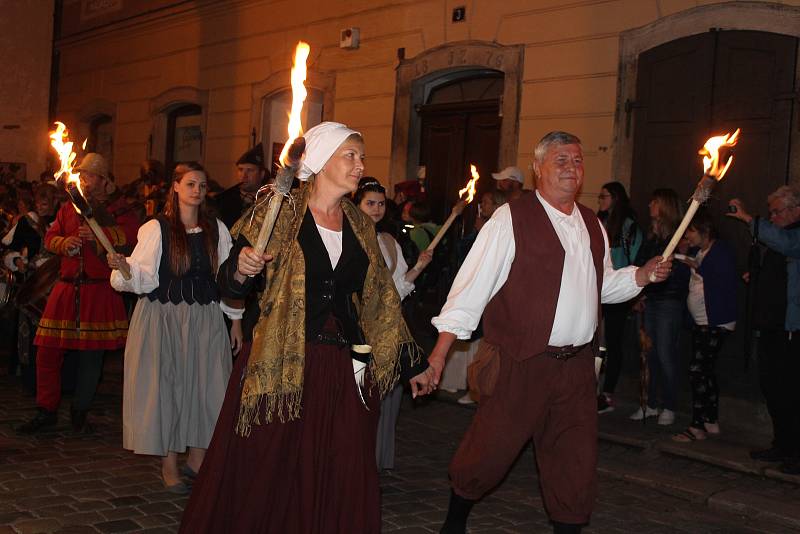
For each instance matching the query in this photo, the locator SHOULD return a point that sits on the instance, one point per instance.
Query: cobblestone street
(66, 483)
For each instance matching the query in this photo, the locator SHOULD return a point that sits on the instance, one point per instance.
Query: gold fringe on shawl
(273, 379)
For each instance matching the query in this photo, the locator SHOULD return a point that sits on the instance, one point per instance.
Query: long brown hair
(179, 257)
(670, 212)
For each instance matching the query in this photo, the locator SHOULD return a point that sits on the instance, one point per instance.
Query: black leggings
(706, 344)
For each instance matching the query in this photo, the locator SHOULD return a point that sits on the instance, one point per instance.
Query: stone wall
(26, 30)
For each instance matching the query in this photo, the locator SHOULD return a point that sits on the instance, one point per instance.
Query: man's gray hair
(790, 194)
(553, 138)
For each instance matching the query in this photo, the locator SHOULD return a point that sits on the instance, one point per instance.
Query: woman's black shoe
(42, 419)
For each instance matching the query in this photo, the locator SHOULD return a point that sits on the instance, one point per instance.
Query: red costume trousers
(48, 377)
(552, 402)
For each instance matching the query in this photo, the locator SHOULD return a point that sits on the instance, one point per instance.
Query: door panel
(753, 70)
(452, 139)
(672, 114)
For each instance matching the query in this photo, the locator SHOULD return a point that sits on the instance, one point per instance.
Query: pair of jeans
(662, 323)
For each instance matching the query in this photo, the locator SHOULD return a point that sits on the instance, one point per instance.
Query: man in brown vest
(537, 272)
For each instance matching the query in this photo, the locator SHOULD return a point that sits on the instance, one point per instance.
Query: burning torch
(712, 173)
(59, 140)
(292, 150)
(469, 189)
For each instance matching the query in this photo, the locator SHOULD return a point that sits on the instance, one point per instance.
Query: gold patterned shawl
(273, 379)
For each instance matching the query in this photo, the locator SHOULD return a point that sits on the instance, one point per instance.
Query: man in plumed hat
(251, 172)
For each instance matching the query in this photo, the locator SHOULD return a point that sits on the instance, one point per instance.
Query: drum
(31, 297)
(8, 286)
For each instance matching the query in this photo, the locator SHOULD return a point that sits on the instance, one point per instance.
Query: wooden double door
(453, 137)
(709, 84)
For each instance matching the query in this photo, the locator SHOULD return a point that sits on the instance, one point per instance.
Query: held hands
(655, 270)
(117, 261)
(427, 381)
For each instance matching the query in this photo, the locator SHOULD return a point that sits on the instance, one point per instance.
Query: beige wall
(227, 48)
(26, 29)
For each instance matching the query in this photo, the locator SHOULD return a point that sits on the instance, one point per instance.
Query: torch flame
(710, 153)
(470, 188)
(59, 140)
(299, 94)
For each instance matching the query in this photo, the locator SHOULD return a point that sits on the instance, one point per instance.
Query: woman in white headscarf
(294, 447)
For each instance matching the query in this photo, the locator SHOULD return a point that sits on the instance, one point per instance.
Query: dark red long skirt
(316, 474)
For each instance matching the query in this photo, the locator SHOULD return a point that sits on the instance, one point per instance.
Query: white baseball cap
(510, 173)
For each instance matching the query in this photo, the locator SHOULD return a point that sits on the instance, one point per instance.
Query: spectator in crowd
(177, 357)
(153, 180)
(24, 255)
(510, 181)
(776, 313)
(625, 239)
(418, 213)
(712, 306)
(251, 172)
(664, 305)
(370, 197)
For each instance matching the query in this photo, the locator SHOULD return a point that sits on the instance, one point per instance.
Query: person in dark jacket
(664, 304)
(712, 305)
(251, 172)
(776, 313)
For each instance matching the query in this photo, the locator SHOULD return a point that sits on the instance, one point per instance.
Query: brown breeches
(552, 402)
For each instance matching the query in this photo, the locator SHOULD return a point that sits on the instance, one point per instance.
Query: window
(184, 134)
(101, 138)
(275, 110)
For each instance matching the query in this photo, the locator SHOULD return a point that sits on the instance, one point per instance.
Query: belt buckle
(565, 353)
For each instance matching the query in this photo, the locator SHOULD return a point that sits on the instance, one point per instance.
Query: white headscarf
(321, 142)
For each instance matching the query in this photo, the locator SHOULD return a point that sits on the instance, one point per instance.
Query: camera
(732, 208)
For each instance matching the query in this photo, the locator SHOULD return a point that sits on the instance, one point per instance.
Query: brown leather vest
(519, 318)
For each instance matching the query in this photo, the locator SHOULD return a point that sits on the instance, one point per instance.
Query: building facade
(436, 83)
(26, 46)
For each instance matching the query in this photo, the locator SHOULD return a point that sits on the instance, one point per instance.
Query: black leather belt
(82, 281)
(566, 352)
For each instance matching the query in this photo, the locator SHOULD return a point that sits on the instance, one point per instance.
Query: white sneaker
(466, 399)
(638, 415)
(666, 417)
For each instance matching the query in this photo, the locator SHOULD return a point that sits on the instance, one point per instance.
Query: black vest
(330, 291)
(198, 284)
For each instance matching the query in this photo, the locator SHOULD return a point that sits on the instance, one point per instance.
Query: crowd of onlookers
(702, 288)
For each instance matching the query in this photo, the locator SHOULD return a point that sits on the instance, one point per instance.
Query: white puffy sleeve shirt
(146, 258)
(488, 264)
(398, 267)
